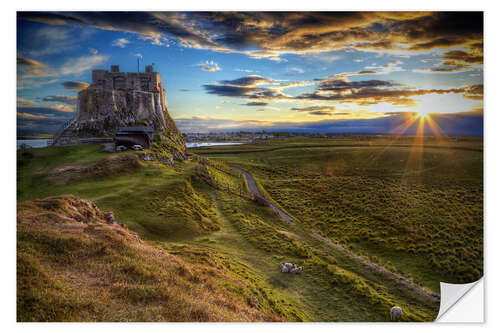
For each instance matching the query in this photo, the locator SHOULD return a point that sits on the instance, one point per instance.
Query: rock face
(116, 99)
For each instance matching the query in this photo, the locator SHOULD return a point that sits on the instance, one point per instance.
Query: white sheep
(296, 270)
(286, 267)
(396, 313)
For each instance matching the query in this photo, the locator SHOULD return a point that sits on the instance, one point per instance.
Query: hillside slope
(75, 264)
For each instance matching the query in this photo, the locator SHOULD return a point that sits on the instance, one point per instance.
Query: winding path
(413, 288)
(254, 190)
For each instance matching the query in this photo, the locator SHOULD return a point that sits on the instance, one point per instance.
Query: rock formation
(116, 99)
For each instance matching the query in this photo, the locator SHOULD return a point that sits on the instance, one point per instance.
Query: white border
(8, 134)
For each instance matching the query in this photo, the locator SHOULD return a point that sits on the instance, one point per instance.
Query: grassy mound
(112, 165)
(168, 211)
(72, 266)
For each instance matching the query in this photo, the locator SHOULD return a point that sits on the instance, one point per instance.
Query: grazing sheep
(286, 267)
(396, 313)
(290, 268)
(121, 148)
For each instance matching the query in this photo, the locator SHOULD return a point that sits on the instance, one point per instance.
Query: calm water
(40, 143)
(205, 144)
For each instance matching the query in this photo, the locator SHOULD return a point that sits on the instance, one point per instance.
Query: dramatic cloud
(229, 91)
(336, 88)
(75, 85)
(248, 81)
(120, 42)
(272, 34)
(457, 61)
(474, 92)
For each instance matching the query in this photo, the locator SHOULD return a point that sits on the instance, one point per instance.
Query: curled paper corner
(461, 302)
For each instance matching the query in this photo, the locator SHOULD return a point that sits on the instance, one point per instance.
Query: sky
(326, 72)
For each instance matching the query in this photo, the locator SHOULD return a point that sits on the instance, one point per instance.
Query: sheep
(286, 267)
(396, 313)
(290, 268)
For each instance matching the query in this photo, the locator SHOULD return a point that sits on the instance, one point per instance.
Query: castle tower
(117, 99)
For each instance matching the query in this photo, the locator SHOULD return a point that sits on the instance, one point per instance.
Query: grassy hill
(207, 228)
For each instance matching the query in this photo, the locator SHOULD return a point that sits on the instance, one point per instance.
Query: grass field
(417, 210)
(420, 217)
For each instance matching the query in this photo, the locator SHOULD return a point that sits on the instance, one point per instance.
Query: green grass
(376, 201)
(418, 211)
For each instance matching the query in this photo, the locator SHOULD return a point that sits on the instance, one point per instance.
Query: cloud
(30, 63)
(22, 102)
(334, 88)
(32, 73)
(81, 64)
(457, 61)
(474, 92)
(120, 42)
(40, 120)
(321, 113)
(296, 69)
(209, 66)
(30, 116)
(75, 85)
(316, 110)
(248, 81)
(273, 34)
(256, 104)
(62, 108)
(229, 91)
(93, 51)
(70, 100)
(29, 67)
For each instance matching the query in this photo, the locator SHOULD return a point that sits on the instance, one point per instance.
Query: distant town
(249, 137)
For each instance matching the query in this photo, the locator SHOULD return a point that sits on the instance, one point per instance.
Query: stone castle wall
(115, 99)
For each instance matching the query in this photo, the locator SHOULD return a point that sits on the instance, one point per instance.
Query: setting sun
(423, 113)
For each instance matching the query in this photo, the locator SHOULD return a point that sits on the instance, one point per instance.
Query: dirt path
(415, 289)
(254, 190)
(404, 282)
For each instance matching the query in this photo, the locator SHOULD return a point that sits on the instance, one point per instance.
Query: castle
(117, 99)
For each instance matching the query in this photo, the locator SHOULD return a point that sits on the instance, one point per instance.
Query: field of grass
(382, 203)
(418, 211)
